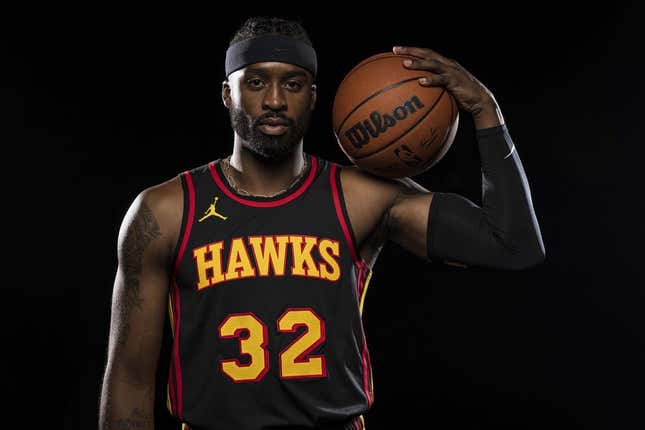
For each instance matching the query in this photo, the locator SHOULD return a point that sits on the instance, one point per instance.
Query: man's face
(270, 106)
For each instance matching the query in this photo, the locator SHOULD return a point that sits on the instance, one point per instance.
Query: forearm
(504, 232)
(488, 115)
(126, 404)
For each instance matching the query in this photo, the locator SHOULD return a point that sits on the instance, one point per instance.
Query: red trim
(365, 353)
(361, 276)
(366, 374)
(359, 281)
(176, 297)
(339, 213)
(175, 357)
(363, 271)
(189, 221)
(357, 426)
(270, 204)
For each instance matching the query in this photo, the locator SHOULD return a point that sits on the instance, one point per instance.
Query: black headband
(270, 47)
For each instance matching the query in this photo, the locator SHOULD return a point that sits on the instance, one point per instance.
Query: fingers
(421, 53)
(434, 81)
(429, 65)
(423, 59)
(442, 68)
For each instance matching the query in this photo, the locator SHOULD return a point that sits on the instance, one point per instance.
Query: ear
(314, 92)
(226, 94)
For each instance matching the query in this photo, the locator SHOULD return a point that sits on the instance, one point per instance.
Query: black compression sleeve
(504, 232)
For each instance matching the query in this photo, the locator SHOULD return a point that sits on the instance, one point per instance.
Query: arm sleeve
(504, 232)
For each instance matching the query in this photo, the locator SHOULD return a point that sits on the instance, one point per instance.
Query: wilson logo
(360, 134)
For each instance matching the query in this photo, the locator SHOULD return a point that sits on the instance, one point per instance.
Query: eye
(293, 85)
(255, 83)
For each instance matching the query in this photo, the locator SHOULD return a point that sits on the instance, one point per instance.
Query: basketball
(387, 123)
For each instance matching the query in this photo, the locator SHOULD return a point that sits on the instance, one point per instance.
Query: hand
(471, 95)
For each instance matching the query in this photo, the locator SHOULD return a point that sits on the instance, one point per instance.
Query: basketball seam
(377, 57)
(443, 149)
(382, 90)
(443, 91)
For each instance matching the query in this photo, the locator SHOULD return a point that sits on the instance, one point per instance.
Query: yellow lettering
(302, 255)
(324, 247)
(214, 263)
(239, 264)
(264, 248)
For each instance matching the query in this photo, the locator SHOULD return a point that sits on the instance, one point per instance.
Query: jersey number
(253, 337)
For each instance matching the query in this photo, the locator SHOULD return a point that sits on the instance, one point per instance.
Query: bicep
(408, 219)
(140, 294)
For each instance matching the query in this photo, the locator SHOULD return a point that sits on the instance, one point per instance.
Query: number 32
(294, 361)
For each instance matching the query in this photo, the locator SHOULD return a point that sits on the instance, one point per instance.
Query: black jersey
(265, 306)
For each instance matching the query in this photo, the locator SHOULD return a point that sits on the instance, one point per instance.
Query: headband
(271, 47)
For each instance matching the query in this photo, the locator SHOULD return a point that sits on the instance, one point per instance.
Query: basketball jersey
(266, 298)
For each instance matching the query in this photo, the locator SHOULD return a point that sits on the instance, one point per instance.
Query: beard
(270, 148)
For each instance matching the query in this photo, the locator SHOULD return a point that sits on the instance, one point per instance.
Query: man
(263, 258)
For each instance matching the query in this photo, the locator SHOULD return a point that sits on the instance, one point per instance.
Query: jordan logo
(212, 212)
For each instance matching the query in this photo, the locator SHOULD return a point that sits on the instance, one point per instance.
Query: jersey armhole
(188, 213)
(341, 213)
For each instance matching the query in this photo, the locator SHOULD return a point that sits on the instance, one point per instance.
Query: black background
(102, 102)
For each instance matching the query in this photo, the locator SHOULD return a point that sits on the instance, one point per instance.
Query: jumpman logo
(212, 212)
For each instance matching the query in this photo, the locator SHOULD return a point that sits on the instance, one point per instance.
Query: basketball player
(262, 259)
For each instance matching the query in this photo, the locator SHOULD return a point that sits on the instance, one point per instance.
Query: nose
(274, 99)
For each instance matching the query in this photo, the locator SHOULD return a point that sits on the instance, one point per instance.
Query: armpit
(373, 244)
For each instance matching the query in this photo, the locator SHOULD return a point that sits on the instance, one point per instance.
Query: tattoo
(138, 419)
(143, 230)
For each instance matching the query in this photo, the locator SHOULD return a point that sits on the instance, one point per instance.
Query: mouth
(273, 129)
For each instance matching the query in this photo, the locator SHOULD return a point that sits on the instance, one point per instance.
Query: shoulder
(165, 199)
(156, 213)
(388, 202)
(354, 177)
(362, 184)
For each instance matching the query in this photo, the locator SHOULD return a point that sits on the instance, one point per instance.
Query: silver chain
(226, 166)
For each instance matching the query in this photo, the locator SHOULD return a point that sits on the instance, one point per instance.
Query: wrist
(488, 115)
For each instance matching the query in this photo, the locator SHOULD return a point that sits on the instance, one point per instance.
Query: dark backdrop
(102, 103)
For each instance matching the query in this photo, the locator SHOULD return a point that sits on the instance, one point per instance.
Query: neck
(257, 177)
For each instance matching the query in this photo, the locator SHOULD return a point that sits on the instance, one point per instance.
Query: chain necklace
(226, 168)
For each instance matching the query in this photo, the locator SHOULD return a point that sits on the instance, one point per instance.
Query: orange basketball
(387, 123)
